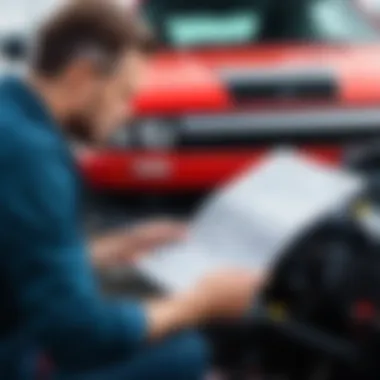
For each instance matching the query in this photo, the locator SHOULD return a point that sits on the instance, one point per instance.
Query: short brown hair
(96, 25)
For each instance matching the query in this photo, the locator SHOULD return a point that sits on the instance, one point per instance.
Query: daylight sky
(22, 14)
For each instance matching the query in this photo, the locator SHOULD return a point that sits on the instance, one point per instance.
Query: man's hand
(227, 293)
(222, 295)
(148, 236)
(128, 244)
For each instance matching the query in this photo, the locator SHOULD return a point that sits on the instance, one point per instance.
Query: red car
(234, 78)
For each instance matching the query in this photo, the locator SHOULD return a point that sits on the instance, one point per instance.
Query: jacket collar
(28, 99)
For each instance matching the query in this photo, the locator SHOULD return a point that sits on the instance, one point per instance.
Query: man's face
(103, 103)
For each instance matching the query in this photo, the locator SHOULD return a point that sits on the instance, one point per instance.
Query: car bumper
(187, 171)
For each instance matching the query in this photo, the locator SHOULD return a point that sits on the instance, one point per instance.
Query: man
(88, 63)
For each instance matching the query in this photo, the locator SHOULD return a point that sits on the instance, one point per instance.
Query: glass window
(186, 23)
(335, 20)
(237, 27)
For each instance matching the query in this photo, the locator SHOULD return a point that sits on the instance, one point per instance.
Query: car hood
(220, 80)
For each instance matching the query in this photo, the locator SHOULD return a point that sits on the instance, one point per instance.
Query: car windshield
(190, 23)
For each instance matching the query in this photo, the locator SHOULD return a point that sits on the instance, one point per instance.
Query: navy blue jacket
(47, 288)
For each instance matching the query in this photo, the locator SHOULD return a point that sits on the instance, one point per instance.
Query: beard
(81, 129)
(81, 125)
(91, 126)
(78, 128)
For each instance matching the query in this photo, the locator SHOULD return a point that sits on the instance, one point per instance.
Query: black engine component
(321, 310)
(319, 317)
(321, 307)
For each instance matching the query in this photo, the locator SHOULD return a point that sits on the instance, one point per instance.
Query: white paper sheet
(252, 220)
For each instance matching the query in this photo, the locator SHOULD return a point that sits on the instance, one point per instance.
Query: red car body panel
(181, 83)
(190, 171)
(188, 82)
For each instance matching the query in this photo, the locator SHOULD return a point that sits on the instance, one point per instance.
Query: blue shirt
(47, 288)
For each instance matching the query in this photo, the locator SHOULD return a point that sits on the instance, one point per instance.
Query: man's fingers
(160, 233)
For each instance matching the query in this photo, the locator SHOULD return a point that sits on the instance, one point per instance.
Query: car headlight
(122, 138)
(155, 134)
(146, 134)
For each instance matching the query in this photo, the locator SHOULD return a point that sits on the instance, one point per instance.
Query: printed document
(253, 219)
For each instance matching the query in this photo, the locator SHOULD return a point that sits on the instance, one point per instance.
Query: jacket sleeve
(48, 268)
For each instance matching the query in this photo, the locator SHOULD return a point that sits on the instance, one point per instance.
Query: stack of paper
(252, 220)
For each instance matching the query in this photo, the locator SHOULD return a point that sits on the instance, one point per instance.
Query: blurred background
(231, 80)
